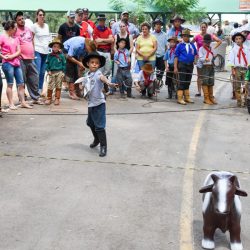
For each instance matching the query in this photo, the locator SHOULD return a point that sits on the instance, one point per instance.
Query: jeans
(97, 117)
(141, 63)
(40, 61)
(160, 66)
(1, 88)
(11, 71)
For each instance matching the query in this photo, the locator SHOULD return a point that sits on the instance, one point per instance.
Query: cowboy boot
(187, 96)
(180, 97)
(96, 139)
(206, 95)
(129, 93)
(49, 97)
(57, 96)
(72, 93)
(103, 142)
(211, 94)
(77, 90)
(248, 105)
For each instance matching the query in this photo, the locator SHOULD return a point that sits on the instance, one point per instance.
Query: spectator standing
(42, 38)
(226, 31)
(68, 29)
(104, 39)
(30, 73)
(1, 89)
(162, 42)
(176, 29)
(131, 28)
(10, 51)
(75, 49)
(86, 26)
(86, 18)
(198, 39)
(211, 29)
(146, 46)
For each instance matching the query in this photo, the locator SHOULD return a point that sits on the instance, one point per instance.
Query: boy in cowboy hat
(176, 30)
(169, 65)
(94, 84)
(205, 64)
(185, 54)
(239, 59)
(122, 59)
(55, 65)
(146, 80)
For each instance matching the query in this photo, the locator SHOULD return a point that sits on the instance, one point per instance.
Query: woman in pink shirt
(198, 39)
(10, 51)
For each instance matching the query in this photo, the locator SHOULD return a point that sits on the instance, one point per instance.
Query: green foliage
(54, 20)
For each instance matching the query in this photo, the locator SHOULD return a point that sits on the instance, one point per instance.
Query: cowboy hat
(157, 20)
(238, 34)
(86, 59)
(56, 41)
(186, 32)
(147, 67)
(173, 38)
(177, 17)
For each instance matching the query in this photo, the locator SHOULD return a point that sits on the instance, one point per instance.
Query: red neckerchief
(241, 52)
(209, 51)
(177, 30)
(124, 54)
(172, 50)
(147, 80)
(56, 55)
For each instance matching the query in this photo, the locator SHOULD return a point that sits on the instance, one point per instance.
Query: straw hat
(173, 38)
(147, 67)
(186, 32)
(56, 41)
(94, 55)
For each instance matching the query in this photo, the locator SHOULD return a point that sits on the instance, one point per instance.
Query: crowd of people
(28, 51)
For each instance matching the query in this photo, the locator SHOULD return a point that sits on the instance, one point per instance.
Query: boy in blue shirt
(123, 75)
(185, 54)
(169, 65)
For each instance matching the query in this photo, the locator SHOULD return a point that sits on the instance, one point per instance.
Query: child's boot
(57, 96)
(180, 97)
(187, 96)
(248, 105)
(96, 139)
(49, 97)
(206, 95)
(103, 142)
(211, 94)
(238, 98)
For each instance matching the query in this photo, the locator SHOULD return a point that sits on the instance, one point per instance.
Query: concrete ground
(57, 194)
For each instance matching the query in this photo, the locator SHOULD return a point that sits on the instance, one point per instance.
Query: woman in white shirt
(42, 39)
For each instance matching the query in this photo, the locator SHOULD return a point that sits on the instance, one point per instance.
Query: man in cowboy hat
(185, 54)
(104, 39)
(94, 82)
(30, 73)
(239, 60)
(176, 30)
(55, 66)
(131, 28)
(147, 80)
(162, 42)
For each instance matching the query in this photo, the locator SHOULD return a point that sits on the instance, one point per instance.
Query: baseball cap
(71, 13)
(125, 12)
(85, 10)
(19, 13)
(79, 11)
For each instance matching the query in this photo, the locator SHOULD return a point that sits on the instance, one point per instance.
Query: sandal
(27, 106)
(12, 107)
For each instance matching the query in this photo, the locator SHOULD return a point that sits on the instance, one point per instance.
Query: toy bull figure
(221, 208)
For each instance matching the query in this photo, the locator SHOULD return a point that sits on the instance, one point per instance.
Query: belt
(55, 71)
(207, 65)
(239, 67)
(104, 50)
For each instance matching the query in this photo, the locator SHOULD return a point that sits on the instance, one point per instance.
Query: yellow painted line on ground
(186, 217)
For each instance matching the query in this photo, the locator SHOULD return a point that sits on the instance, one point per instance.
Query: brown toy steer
(221, 208)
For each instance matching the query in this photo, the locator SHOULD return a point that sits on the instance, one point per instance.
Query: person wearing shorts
(10, 49)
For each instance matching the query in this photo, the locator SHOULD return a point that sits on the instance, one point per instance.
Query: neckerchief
(172, 50)
(177, 30)
(241, 52)
(209, 51)
(124, 54)
(147, 80)
(101, 28)
(56, 55)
